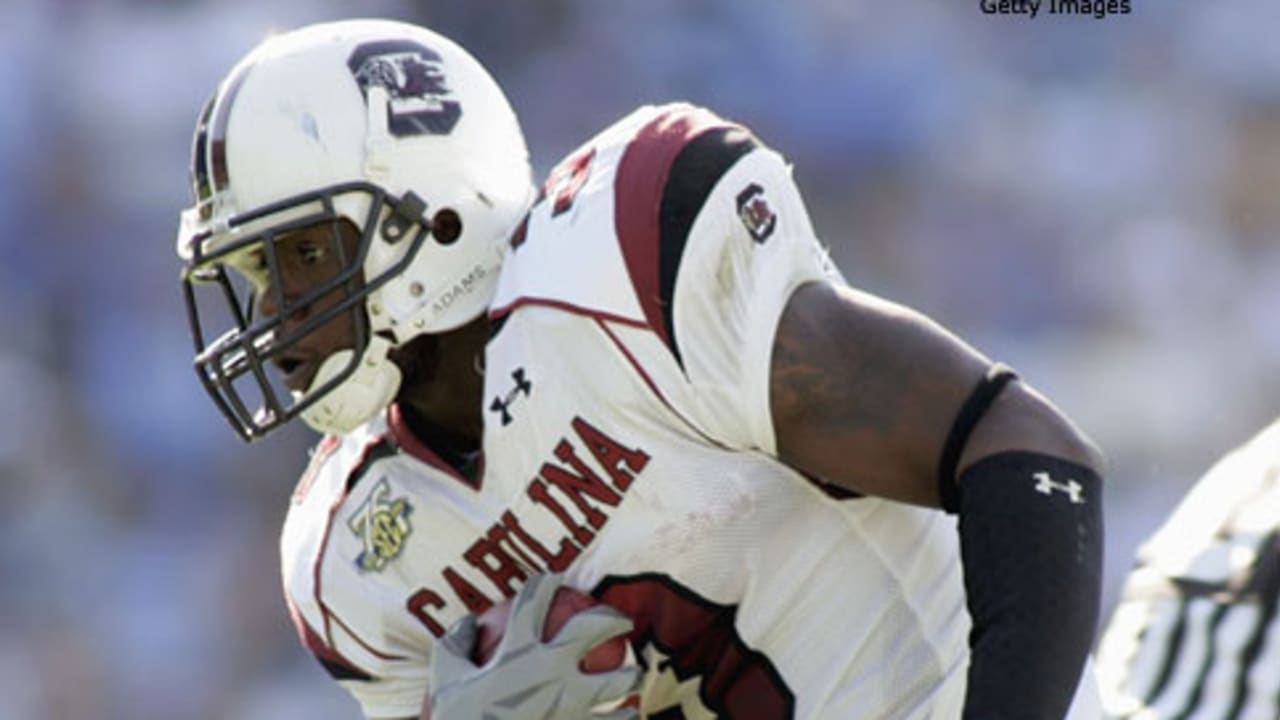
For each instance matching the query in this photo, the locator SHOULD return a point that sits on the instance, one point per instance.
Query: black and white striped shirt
(1196, 634)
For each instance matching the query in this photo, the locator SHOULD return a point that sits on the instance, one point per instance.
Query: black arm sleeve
(1031, 543)
(980, 400)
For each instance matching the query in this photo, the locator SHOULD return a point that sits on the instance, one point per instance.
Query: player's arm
(864, 394)
(876, 398)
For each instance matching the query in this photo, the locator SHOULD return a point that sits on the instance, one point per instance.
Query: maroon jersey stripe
(653, 386)
(499, 313)
(641, 179)
(333, 662)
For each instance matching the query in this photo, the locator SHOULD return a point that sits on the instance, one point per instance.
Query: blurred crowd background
(1092, 201)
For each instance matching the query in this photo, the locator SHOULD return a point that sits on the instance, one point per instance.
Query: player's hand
(526, 678)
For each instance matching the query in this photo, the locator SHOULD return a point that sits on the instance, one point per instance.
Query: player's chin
(417, 360)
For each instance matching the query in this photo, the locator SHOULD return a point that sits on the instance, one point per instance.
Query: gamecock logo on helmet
(419, 100)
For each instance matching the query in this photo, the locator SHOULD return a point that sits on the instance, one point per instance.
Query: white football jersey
(628, 443)
(1195, 633)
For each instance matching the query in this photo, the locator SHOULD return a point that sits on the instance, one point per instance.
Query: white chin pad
(368, 390)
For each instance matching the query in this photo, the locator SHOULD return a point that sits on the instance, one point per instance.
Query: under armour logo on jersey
(755, 213)
(1047, 485)
(502, 405)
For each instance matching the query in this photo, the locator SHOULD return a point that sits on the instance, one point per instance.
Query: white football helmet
(389, 126)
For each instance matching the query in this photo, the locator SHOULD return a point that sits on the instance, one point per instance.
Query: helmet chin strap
(368, 390)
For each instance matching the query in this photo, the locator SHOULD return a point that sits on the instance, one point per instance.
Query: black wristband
(1031, 542)
(985, 393)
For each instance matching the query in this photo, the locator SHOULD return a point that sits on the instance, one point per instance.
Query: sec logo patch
(382, 524)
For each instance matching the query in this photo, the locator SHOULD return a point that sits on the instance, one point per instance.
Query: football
(608, 655)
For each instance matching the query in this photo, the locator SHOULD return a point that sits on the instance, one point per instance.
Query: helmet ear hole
(446, 226)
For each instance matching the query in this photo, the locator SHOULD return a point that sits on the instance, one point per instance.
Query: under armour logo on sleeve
(1047, 485)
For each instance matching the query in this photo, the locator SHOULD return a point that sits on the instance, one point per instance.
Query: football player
(1195, 632)
(644, 377)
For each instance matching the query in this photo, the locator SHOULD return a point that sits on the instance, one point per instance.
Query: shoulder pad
(623, 205)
